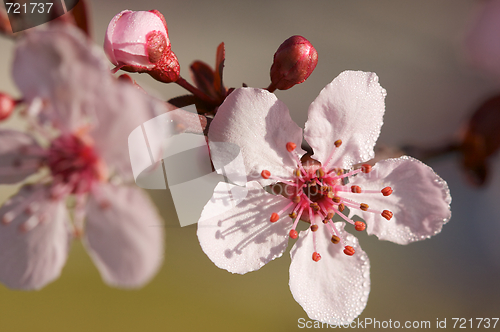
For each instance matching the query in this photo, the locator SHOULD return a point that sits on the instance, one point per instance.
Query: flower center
(315, 194)
(74, 163)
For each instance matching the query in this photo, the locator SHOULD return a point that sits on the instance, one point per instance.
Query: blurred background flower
(416, 48)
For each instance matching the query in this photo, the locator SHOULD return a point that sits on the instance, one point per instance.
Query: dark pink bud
(7, 105)
(294, 61)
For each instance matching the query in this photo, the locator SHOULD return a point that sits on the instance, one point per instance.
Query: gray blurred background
(415, 47)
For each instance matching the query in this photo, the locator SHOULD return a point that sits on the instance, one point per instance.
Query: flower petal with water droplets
(350, 108)
(420, 201)
(260, 126)
(335, 289)
(237, 234)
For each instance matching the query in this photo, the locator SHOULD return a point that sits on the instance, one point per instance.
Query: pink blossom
(401, 200)
(87, 116)
(482, 42)
(138, 42)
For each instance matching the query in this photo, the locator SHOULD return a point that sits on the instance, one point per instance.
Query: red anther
(325, 221)
(320, 173)
(265, 174)
(7, 105)
(335, 239)
(366, 168)
(314, 228)
(290, 146)
(293, 234)
(338, 143)
(363, 206)
(341, 207)
(387, 214)
(297, 172)
(330, 215)
(386, 191)
(340, 172)
(316, 256)
(274, 217)
(349, 251)
(336, 199)
(296, 199)
(356, 189)
(330, 194)
(359, 226)
(293, 215)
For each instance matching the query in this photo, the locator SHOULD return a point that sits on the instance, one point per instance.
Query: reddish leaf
(203, 77)
(81, 15)
(219, 67)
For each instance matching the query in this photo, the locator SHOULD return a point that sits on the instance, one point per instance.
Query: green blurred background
(415, 48)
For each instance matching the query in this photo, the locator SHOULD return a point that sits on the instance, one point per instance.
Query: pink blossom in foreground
(401, 200)
(87, 116)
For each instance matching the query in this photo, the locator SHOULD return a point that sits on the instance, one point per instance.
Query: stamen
(293, 215)
(387, 214)
(341, 207)
(274, 217)
(335, 239)
(349, 251)
(294, 233)
(336, 199)
(296, 199)
(320, 172)
(265, 174)
(314, 206)
(386, 191)
(290, 146)
(366, 168)
(316, 256)
(356, 189)
(296, 172)
(359, 226)
(314, 228)
(363, 206)
(337, 143)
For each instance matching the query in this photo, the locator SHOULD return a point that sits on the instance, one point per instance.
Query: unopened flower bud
(7, 105)
(138, 42)
(294, 61)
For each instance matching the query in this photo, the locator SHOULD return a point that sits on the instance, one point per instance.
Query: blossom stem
(195, 91)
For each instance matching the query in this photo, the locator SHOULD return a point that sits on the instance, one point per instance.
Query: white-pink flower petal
(62, 68)
(123, 235)
(335, 289)
(20, 156)
(260, 125)
(420, 201)
(237, 235)
(351, 109)
(33, 257)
